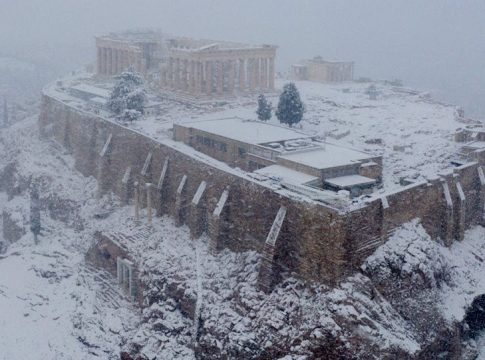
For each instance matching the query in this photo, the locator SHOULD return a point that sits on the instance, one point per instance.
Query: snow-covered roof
(286, 175)
(94, 90)
(327, 157)
(349, 181)
(246, 131)
(411, 131)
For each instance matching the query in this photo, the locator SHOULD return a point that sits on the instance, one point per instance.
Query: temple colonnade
(112, 59)
(218, 76)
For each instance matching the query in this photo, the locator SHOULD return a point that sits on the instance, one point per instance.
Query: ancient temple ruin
(320, 70)
(188, 66)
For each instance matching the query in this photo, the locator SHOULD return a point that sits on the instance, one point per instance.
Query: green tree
(290, 107)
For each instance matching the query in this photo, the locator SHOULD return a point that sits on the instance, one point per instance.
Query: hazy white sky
(434, 44)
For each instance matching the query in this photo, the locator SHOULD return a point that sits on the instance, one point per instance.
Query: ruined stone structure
(318, 241)
(321, 70)
(118, 52)
(219, 68)
(193, 67)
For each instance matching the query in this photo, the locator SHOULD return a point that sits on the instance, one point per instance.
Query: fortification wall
(315, 241)
(447, 206)
(312, 238)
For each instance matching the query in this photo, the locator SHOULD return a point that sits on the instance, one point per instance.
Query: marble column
(170, 73)
(132, 60)
(113, 61)
(177, 74)
(98, 60)
(220, 77)
(271, 73)
(197, 77)
(231, 75)
(264, 74)
(251, 72)
(183, 74)
(191, 76)
(242, 75)
(208, 78)
(105, 61)
(116, 61)
(109, 70)
(257, 73)
(123, 60)
(186, 75)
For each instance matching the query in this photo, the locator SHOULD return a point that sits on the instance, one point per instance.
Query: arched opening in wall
(475, 317)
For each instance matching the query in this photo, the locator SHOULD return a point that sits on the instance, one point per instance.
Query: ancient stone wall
(447, 206)
(315, 241)
(311, 242)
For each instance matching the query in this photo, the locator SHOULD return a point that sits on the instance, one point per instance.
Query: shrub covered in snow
(128, 97)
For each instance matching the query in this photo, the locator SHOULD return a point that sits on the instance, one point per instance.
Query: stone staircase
(106, 286)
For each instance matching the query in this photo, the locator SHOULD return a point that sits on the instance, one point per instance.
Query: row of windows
(211, 143)
(253, 165)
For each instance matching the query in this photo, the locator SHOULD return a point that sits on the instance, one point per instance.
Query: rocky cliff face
(408, 302)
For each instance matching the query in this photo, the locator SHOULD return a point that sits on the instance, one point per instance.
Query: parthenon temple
(193, 67)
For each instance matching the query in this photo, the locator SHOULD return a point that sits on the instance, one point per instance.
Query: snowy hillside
(65, 309)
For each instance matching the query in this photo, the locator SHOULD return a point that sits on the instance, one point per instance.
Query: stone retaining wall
(315, 241)
(311, 242)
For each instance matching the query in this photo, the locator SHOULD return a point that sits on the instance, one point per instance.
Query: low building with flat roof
(283, 153)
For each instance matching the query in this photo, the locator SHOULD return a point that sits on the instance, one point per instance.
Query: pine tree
(5, 112)
(290, 107)
(264, 108)
(128, 97)
(35, 225)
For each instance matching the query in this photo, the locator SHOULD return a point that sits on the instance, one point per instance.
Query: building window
(242, 152)
(253, 165)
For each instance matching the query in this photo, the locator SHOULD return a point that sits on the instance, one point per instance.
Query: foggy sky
(437, 45)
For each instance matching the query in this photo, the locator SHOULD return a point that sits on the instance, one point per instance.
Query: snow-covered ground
(413, 133)
(52, 304)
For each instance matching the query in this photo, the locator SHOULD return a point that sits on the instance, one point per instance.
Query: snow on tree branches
(290, 107)
(264, 108)
(128, 97)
